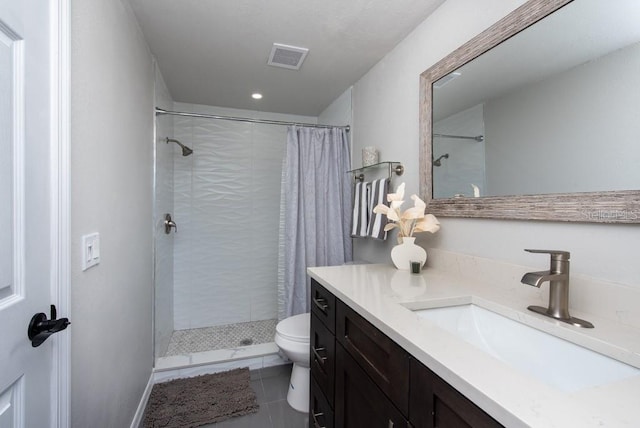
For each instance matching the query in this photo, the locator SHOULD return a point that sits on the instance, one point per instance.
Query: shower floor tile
(221, 337)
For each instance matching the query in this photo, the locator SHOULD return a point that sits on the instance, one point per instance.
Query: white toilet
(292, 336)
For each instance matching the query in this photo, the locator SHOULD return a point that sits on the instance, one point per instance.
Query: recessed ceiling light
(256, 96)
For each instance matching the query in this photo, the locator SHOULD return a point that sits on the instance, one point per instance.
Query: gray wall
(385, 114)
(111, 193)
(567, 122)
(339, 111)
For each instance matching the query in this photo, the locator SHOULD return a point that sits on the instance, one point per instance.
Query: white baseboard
(137, 418)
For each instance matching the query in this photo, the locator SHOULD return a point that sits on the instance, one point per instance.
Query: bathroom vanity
(378, 360)
(360, 377)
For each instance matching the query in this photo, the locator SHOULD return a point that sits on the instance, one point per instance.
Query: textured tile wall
(163, 203)
(226, 204)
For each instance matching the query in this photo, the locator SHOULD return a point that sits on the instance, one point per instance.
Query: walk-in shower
(216, 277)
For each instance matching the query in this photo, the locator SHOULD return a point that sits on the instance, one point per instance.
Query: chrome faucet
(558, 277)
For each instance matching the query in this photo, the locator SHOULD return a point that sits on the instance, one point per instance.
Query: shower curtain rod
(247, 119)
(479, 138)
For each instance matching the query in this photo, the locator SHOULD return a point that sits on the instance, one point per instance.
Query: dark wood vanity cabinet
(359, 400)
(362, 378)
(320, 412)
(323, 351)
(323, 306)
(359, 377)
(386, 363)
(322, 357)
(435, 403)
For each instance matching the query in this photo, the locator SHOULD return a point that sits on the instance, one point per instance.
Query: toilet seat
(295, 328)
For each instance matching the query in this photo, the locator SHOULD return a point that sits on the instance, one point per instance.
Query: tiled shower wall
(226, 205)
(466, 162)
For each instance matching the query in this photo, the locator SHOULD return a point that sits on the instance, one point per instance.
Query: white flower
(412, 220)
(428, 224)
(398, 196)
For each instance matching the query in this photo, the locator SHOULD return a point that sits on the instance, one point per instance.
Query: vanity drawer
(320, 412)
(323, 305)
(323, 353)
(380, 357)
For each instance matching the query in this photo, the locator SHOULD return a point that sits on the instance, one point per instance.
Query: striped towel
(360, 210)
(377, 222)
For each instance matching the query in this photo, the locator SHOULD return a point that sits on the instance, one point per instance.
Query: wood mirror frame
(589, 207)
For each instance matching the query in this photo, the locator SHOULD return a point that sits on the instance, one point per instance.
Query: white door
(28, 248)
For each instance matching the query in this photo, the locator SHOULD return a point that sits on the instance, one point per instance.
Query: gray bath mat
(201, 400)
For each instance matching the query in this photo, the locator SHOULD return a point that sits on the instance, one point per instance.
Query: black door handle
(40, 328)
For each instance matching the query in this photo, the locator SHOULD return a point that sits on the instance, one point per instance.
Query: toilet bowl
(292, 336)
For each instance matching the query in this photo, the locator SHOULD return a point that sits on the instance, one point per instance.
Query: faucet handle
(558, 255)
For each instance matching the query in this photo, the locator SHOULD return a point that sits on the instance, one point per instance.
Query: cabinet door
(436, 404)
(323, 305)
(380, 357)
(320, 413)
(359, 402)
(323, 357)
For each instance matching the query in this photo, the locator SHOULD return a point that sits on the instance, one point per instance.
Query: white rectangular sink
(552, 360)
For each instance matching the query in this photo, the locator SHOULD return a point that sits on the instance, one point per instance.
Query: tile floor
(221, 337)
(271, 385)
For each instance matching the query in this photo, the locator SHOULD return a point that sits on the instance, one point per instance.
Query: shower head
(438, 162)
(186, 151)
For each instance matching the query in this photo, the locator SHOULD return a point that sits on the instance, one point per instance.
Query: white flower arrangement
(412, 220)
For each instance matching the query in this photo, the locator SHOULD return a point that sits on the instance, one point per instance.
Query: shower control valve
(168, 224)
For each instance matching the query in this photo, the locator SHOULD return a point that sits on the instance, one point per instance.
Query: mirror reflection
(554, 109)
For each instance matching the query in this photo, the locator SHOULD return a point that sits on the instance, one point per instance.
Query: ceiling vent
(285, 56)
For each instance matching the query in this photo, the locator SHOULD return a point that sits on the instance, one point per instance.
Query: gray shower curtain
(315, 211)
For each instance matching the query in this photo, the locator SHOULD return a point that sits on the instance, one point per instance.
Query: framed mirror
(538, 117)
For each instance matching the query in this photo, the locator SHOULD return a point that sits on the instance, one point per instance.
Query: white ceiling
(215, 52)
(578, 33)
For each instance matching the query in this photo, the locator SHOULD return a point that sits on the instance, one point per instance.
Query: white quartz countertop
(385, 296)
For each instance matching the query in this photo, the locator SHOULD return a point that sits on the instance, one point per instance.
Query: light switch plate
(90, 250)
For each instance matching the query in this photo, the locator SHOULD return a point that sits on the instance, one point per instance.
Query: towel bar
(394, 167)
